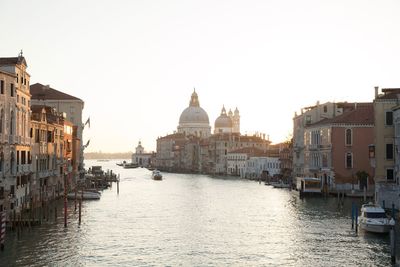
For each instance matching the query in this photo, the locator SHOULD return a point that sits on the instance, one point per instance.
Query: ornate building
(194, 149)
(194, 120)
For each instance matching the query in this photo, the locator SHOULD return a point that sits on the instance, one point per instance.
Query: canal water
(197, 220)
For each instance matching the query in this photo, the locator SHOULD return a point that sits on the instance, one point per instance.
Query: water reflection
(197, 220)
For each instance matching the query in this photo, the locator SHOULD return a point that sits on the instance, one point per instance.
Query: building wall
(362, 137)
(307, 117)
(14, 136)
(384, 134)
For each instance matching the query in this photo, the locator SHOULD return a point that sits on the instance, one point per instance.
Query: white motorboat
(374, 219)
(87, 194)
(156, 175)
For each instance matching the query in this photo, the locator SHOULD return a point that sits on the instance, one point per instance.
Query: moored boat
(156, 175)
(86, 195)
(374, 219)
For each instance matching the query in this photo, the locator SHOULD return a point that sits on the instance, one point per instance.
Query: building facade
(72, 106)
(336, 149)
(193, 149)
(14, 134)
(141, 158)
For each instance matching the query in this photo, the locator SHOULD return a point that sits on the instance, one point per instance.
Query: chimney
(376, 91)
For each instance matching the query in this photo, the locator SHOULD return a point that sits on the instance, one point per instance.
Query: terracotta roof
(363, 114)
(12, 61)
(39, 91)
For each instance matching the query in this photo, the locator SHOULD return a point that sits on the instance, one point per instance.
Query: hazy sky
(135, 63)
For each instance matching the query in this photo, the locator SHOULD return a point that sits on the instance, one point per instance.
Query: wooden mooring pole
(392, 245)
(80, 211)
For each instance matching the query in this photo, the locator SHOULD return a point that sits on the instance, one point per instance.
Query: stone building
(194, 149)
(142, 158)
(70, 105)
(309, 115)
(336, 149)
(15, 142)
(47, 151)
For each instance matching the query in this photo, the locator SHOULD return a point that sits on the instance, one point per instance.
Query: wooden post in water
(356, 211)
(76, 193)
(365, 194)
(383, 204)
(80, 211)
(55, 212)
(393, 212)
(392, 245)
(65, 201)
(118, 186)
(352, 215)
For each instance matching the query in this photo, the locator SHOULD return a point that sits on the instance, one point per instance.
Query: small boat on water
(280, 184)
(156, 175)
(130, 165)
(86, 195)
(121, 163)
(374, 219)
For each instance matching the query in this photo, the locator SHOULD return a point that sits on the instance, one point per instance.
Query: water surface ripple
(197, 220)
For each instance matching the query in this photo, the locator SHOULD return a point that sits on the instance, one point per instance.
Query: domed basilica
(194, 120)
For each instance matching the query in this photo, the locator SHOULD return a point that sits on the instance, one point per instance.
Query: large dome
(194, 115)
(194, 119)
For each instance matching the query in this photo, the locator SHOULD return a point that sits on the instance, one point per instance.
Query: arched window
(349, 137)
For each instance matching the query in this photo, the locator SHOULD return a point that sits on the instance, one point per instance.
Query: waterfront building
(237, 159)
(168, 151)
(385, 134)
(47, 132)
(65, 103)
(142, 158)
(194, 149)
(286, 159)
(336, 149)
(15, 141)
(308, 116)
(256, 166)
(384, 153)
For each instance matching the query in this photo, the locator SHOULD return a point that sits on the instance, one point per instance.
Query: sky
(135, 63)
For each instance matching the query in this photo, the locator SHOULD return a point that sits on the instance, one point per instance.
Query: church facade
(193, 149)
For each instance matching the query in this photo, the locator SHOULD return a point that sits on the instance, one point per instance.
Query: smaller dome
(223, 121)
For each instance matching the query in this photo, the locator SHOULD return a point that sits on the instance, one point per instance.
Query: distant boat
(156, 175)
(87, 194)
(121, 163)
(103, 160)
(130, 165)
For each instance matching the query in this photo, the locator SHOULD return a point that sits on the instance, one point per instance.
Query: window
(2, 87)
(12, 89)
(349, 160)
(389, 174)
(389, 151)
(389, 118)
(308, 119)
(11, 123)
(349, 136)
(325, 109)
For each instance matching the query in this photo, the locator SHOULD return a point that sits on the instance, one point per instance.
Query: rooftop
(43, 92)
